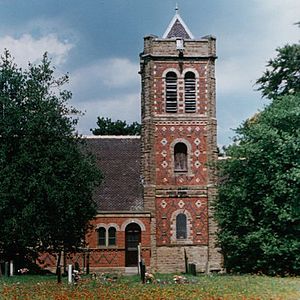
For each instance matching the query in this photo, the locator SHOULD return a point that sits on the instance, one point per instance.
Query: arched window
(111, 236)
(190, 92)
(180, 157)
(181, 230)
(101, 236)
(171, 92)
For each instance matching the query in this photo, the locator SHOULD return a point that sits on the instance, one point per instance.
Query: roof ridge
(111, 136)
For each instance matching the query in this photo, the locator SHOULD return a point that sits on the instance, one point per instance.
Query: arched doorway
(132, 239)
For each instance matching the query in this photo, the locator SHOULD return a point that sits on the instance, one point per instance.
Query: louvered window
(180, 157)
(190, 92)
(181, 230)
(171, 92)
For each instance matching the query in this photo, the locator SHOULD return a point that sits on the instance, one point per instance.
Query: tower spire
(177, 28)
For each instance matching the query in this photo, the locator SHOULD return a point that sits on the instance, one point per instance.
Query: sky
(98, 43)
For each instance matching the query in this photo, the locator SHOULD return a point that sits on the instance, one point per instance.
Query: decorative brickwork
(193, 134)
(170, 190)
(106, 257)
(197, 220)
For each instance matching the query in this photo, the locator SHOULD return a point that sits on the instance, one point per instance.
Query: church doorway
(132, 240)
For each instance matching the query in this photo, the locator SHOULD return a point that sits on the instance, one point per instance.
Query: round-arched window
(180, 157)
(181, 228)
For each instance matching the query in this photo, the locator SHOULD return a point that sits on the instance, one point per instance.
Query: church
(159, 188)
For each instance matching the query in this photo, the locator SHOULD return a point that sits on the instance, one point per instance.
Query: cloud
(281, 12)
(108, 88)
(29, 49)
(233, 76)
(108, 73)
(126, 108)
(118, 72)
(110, 78)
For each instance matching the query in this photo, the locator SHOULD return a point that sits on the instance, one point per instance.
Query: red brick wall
(194, 208)
(193, 132)
(114, 256)
(105, 257)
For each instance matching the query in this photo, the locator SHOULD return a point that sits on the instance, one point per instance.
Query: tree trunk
(58, 263)
(65, 263)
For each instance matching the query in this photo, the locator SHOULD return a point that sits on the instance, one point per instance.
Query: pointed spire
(177, 28)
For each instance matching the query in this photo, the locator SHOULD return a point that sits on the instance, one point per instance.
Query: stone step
(131, 270)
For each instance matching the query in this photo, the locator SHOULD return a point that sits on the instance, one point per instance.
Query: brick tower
(178, 146)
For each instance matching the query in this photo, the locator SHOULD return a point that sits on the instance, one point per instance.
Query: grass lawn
(215, 287)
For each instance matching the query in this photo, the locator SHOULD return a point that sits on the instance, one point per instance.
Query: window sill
(182, 242)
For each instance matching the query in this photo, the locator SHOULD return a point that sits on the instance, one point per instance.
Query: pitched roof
(119, 160)
(177, 29)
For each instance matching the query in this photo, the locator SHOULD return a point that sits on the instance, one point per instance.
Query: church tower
(179, 147)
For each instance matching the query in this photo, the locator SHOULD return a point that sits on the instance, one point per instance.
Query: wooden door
(132, 240)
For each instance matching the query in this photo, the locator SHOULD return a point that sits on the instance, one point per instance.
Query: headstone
(192, 269)
(11, 268)
(69, 274)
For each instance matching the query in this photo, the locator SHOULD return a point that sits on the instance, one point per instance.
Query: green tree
(108, 127)
(283, 73)
(46, 180)
(258, 208)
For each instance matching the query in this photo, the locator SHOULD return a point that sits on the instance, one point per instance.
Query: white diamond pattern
(197, 141)
(197, 152)
(198, 203)
(164, 153)
(181, 204)
(163, 204)
(197, 164)
(164, 164)
(164, 141)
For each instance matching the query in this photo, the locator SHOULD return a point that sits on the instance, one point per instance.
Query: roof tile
(119, 160)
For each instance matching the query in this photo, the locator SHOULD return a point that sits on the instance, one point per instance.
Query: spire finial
(176, 8)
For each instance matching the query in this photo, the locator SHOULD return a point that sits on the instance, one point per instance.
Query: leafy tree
(46, 180)
(283, 73)
(108, 127)
(258, 208)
